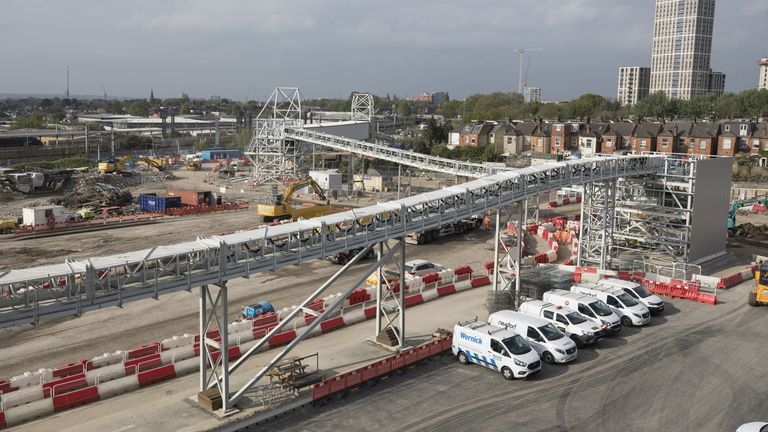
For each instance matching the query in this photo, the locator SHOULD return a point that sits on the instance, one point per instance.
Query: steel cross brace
(511, 255)
(398, 298)
(218, 317)
(307, 330)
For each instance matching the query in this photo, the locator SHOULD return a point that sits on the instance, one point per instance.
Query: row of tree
(499, 106)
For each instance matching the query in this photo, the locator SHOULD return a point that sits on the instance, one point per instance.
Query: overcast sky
(245, 48)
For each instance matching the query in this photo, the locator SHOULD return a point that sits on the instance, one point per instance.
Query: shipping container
(193, 198)
(158, 204)
(42, 215)
(328, 180)
(212, 155)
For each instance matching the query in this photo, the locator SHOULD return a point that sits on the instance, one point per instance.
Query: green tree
(451, 109)
(139, 108)
(653, 105)
(36, 120)
(404, 108)
(587, 105)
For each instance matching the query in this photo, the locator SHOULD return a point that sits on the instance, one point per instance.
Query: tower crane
(520, 52)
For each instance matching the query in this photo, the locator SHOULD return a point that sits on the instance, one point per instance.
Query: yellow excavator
(158, 163)
(114, 165)
(759, 295)
(118, 165)
(281, 208)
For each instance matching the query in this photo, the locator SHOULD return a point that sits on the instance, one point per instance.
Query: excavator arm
(301, 184)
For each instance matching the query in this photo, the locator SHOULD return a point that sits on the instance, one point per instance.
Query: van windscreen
(600, 308)
(641, 291)
(516, 345)
(551, 332)
(576, 318)
(626, 299)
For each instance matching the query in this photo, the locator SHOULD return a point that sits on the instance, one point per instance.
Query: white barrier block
(22, 396)
(354, 316)
(31, 378)
(590, 277)
(240, 338)
(414, 285)
(106, 373)
(188, 366)
(179, 341)
(181, 353)
(446, 275)
(463, 285)
(428, 295)
(107, 359)
(240, 326)
(27, 412)
(119, 386)
(552, 255)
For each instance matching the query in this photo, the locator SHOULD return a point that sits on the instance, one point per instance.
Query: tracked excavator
(281, 207)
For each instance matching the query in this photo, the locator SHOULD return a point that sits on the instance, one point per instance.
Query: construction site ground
(111, 329)
(678, 373)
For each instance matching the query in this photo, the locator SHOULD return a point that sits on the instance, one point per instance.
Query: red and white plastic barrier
(559, 202)
(737, 278)
(37, 394)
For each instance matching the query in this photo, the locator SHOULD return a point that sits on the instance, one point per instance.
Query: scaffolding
(362, 107)
(274, 156)
(646, 217)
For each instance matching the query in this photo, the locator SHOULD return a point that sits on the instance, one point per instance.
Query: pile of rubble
(752, 232)
(98, 190)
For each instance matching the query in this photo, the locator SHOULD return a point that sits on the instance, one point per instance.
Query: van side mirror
(505, 353)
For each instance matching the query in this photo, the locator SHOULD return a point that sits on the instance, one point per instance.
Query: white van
(594, 309)
(494, 347)
(575, 325)
(638, 292)
(549, 342)
(629, 310)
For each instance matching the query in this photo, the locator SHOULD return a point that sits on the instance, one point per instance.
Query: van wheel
(463, 359)
(626, 321)
(507, 372)
(547, 357)
(577, 341)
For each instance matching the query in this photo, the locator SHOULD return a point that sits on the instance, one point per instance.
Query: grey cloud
(331, 47)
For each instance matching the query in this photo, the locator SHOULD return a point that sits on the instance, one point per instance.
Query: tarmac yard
(695, 367)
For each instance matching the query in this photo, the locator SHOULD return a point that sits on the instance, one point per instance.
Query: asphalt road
(695, 368)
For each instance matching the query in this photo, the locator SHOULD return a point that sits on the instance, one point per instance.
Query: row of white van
(552, 329)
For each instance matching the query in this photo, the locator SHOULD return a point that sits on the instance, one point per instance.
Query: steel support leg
(597, 223)
(216, 319)
(308, 329)
(401, 326)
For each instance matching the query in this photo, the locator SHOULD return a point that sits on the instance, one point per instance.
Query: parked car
(421, 267)
(753, 427)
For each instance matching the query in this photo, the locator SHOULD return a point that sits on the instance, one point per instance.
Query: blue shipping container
(212, 155)
(157, 204)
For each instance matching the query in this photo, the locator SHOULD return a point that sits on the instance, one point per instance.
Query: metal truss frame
(509, 256)
(653, 212)
(362, 107)
(275, 157)
(378, 151)
(597, 222)
(390, 298)
(42, 293)
(224, 378)
(215, 318)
